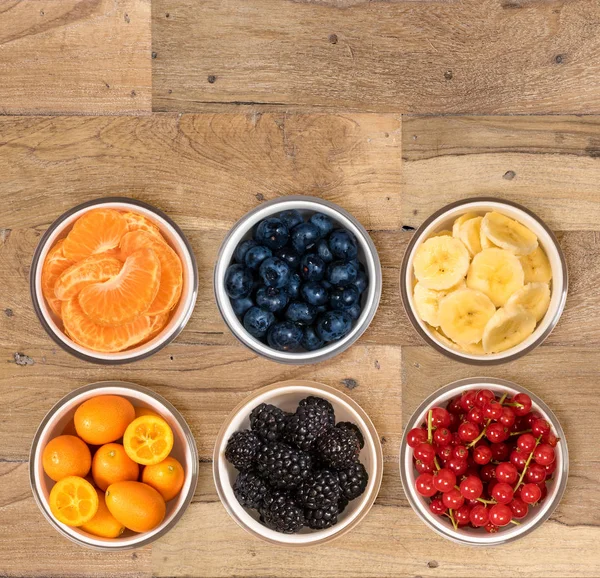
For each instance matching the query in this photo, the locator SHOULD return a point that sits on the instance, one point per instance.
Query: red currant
(540, 427)
(508, 418)
(530, 418)
(453, 499)
(544, 454)
(471, 487)
(416, 436)
(437, 507)
(500, 515)
(496, 432)
(459, 467)
(444, 480)
(500, 451)
(460, 452)
(526, 443)
(518, 459)
(531, 493)
(468, 431)
(493, 409)
(524, 402)
(462, 515)
(483, 397)
(502, 493)
(425, 453)
(445, 453)
(424, 485)
(550, 439)
(550, 469)
(544, 489)
(440, 417)
(518, 508)
(475, 415)
(454, 406)
(479, 516)
(488, 472)
(491, 529)
(482, 455)
(423, 468)
(507, 472)
(535, 473)
(454, 422)
(467, 401)
(442, 436)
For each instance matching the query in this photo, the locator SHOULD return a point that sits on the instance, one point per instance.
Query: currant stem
(518, 433)
(486, 425)
(514, 404)
(486, 501)
(515, 522)
(451, 516)
(437, 466)
(429, 428)
(527, 464)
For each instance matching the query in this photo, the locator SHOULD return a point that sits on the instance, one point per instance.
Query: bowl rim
(359, 326)
(456, 355)
(36, 264)
(316, 387)
(99, 385)
(468, 383)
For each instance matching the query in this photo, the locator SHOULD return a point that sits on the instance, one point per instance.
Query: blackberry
(319, 490)
(268, 422)
(284, 466)
(280, 513)
(342, 503)
(250, 489)
(338, 448)
(306, 425)
(353, 480)
(241, 449)
(323, 403)
(349, 426)
(321, 518)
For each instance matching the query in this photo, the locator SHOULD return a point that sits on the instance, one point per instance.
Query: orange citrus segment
(54, 264)
(158, 324)
(148, 440)
(73, 501)
(96, 231)
(103, 338)
(93, 269)
(125, 296)
(171, 271)
(137, 222)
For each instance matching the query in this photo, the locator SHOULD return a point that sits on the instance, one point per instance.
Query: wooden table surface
(206, 109)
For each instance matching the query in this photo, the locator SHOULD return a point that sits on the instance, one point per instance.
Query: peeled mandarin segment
(137, 222)
(464, 314)
(125, 297)
(54, 265)
(536, 266)
(103, 338)
(158, 324)
(534, 297)
(507, 328)
(469, 234)
(93, 269)
(441, 262)
(171, 279)
(96, 231)
(148, 440)
(508, 233)
(73, 501)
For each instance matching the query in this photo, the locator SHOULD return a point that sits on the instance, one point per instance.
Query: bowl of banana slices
(484, 281)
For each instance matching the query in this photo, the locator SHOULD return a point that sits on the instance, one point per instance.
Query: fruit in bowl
(484, 286)
(108, 493)
(298, 470)
(297, 284)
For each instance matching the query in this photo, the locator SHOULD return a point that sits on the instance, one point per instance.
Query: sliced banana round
(427, 302)
(485, 242)
(497, 273)
(536, 266)
(441, 263)
(507, 328)
(508, 234)
(459, 221)
(473, 349)
(534, 297)
(443, 233)
(464, 314)
(469, 234)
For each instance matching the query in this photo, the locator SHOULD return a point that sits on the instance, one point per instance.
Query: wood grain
(75, 57)
(432, 57)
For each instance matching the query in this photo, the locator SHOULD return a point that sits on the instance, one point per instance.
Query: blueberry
(321, 309)
(238, 281)
(271, 299)
(333, 325)
(300, 312)
(241, 305)
(291, 218)
(310, 339)
(304, 236)
(289, 255)
(326, 284)
(361, 281)
(274, 272)
(272, 232)
(284, 336)
(257, 321)
(242, 249)
(342, 273)
(312, 267)
(293, 286)
(343, 244)
(354, 310)
(343, 297)
(314, 293)
(323, 223)
(324, 251)
(256, 255)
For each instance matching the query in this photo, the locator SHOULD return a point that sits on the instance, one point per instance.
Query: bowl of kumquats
(113, 466)
(113, 280)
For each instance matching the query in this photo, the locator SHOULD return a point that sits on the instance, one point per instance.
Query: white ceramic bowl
(286, 395)
(442, 220)
(179, 316)
(367, 255)
(479, 537)
(184, 450)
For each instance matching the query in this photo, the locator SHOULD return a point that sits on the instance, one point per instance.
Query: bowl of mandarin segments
(113, 280)
(483, 461)
(113, 466)
(484, 281)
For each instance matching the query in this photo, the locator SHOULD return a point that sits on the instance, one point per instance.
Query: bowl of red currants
(483, 461)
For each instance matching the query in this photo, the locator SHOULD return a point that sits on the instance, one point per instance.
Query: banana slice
(508, 234)
(464, 315)
(485, 242)
(444, 233)
(458, 222)
(536, 267)
(534, 297)
(427, 302)
(441, 263)
(497, 273)
(469, 234)
(473, 349)
(507, 328)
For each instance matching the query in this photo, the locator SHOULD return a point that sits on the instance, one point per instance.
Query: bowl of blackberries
(298, 463)
(298, 280)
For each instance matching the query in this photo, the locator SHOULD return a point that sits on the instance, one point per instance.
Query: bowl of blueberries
(298, 280)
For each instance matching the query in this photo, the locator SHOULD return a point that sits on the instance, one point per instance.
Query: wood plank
(432, 57)
(75, 57)
(550, 164)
